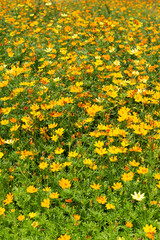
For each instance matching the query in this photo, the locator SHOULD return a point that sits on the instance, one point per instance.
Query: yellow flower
(157, 176)
(21, 217)
(87, 161)
(2, 210)
(1, 154)
(99, 144)
(96, 186)
(43, 165)
(9, 199)
(31, 189)
(67, 164)
(47, 189)
(59, 131)
(14, 128)
(64, 183)
(117, 185)
(149, 229)
(113, 158)
(142, 170)
(72, 154)
(110, 206)
(54, 195)
(45, 203)
(101, 151)
(127, 176)
(134, 163)
(35, 224)
(53, 125)
(64, 237)
(55, 167)
(32, 215)
(76, 217)
(4, 122)
(54, 138)
(158, 185)
(59, 150)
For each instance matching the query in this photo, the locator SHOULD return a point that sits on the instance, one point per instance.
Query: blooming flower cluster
(79, 119)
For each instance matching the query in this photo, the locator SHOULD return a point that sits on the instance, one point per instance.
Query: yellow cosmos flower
(9, 199)
(142, 170)
(101, 199)
(1, 154)
(55, 167)
(158, 185)
(59, 150)
(99, 144)
(149, 229)
(134, 163)
(2, 210)
(101, 151)
(54, 195)
(157, 176)
(72, 154)
(31, 189)
(21, 218)
(76, 217)
(64, 183)
(45, 203)
(32, 215)
(47, 189)
(59, 131)
(117, 185)
(110, 206)
(64, 237)
(127, 176)
(35, 224)
(43, 165)
(96, 186)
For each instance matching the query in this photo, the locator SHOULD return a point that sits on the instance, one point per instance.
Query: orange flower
(21, 217)
(129, 224)
(76, 217)
(101, 199)
(64, 183)
(64, 237)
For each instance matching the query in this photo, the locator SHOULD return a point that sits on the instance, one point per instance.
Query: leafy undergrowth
(79, 120)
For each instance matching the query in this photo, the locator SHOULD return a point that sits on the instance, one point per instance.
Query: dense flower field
(79, 120)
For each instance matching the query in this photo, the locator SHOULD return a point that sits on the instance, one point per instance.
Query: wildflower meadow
(79, 120)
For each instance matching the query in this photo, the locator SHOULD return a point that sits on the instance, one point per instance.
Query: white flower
(138, 196)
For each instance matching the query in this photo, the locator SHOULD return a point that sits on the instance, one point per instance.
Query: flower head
(138, 196)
